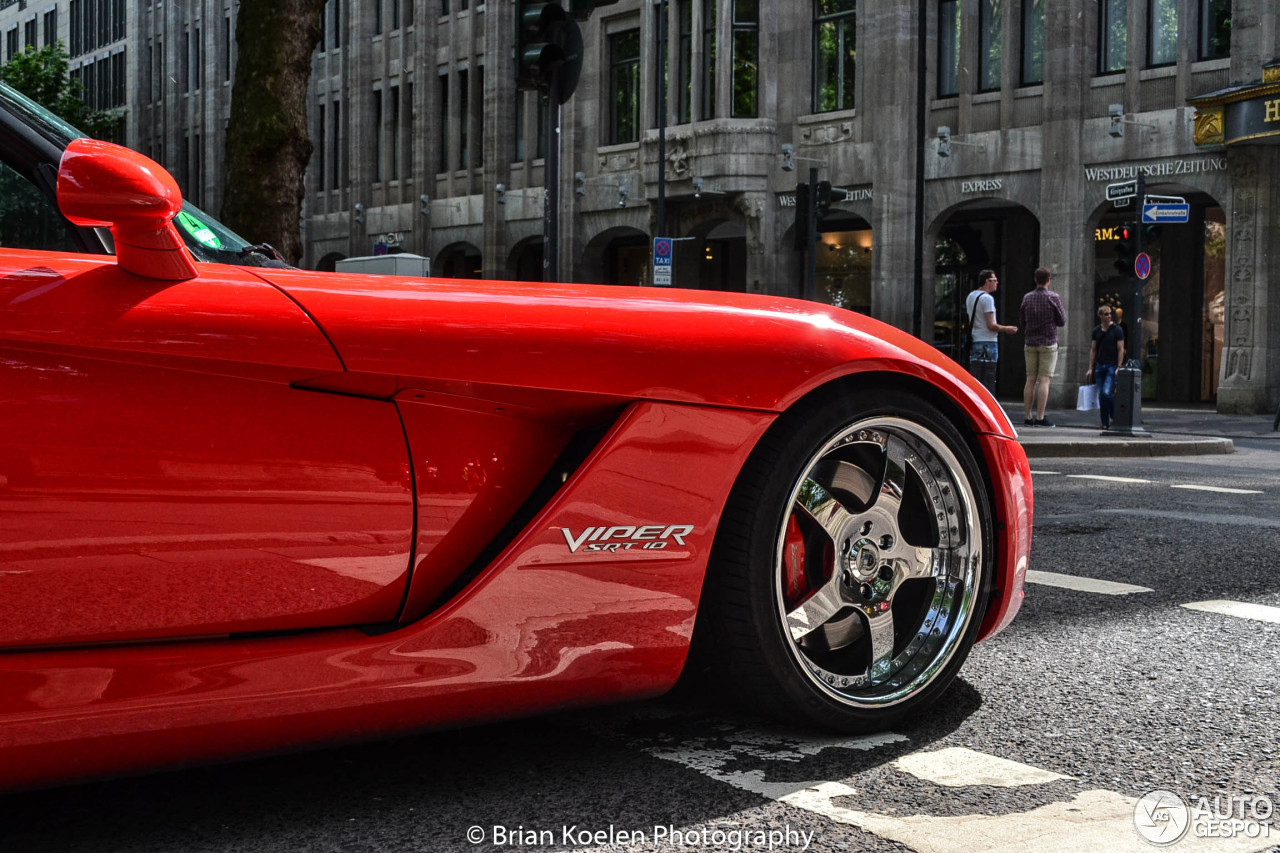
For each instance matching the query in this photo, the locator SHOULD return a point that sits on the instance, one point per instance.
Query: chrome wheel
(879, 561)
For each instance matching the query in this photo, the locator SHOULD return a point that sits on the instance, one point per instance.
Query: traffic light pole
(551, 214)
(1128, 388)
(811, 249)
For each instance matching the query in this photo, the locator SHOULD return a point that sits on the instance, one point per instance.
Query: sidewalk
(1175, 431)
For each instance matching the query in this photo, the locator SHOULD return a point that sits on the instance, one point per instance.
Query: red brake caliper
(795, 580)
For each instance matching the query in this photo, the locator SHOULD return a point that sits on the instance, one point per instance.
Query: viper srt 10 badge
(649, 537)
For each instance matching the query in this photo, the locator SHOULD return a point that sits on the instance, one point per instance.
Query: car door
(159, 475)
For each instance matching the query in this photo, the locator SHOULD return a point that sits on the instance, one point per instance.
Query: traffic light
(803, 235)
(824, 198)
(1126, 248)
(538, 51)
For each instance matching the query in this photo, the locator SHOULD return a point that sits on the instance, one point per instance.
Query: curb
(1116, 447)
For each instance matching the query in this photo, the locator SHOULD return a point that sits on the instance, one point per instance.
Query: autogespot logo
(1161, 817)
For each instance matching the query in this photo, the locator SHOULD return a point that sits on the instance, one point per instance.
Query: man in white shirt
(984, 330)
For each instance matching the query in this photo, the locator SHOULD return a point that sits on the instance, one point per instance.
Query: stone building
(957, 134)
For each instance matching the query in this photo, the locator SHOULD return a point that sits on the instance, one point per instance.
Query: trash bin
(984, 370)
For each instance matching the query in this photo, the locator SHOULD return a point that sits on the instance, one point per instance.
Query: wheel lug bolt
(886, 541)
(866, 590)
(845, 546)
(846, 577)
(866, 528)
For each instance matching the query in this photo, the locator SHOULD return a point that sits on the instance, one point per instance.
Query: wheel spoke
(921, 562)
(816, 610)
(881, 634)
(830, 515)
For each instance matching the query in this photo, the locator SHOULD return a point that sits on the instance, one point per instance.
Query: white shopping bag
(1087, 398)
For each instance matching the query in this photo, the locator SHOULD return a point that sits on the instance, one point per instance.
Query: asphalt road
(1093, 698)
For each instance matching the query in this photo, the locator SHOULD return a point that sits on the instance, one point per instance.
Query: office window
(196, 184)
(464, 120)
(29, 34)
(335, 31)
(11, 44)
(118, 79)
(336, 161)
(479, 118)
(1162, 24)
(948, 47)
(684, 62)
(393, 123)
(1113, 35)
(834, 54)
(624, 87)
(197, 66)
(708, 58)
(1032, 42)
(746, 58)
(51, 27)
(117, 25)
(443, 126)
(378, 135)
(322, 149)
(990, 44)
(521, 97)
(377, 17)
(227, 46)
(77, 36)
(395, 14)
(1215, 29)
(184, 73)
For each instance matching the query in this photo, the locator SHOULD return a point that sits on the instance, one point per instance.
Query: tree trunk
(268, 145)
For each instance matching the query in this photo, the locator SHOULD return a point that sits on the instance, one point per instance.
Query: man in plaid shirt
(1041, 316)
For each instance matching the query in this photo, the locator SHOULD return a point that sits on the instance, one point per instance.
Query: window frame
(846, 90)
(1029, 19)
(947, 77)
(1151, 34)
(1206, 32)
(1105, 46)
(623, 72)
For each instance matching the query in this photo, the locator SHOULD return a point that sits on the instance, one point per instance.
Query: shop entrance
(974, 237)
(1183, 299)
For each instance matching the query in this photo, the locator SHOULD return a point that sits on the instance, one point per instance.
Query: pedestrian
(1040, 316)
(984, 331)
(1106, 354)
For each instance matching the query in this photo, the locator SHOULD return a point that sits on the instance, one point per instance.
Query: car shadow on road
(592, 768)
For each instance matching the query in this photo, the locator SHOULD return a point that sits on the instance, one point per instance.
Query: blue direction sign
(1163, 212)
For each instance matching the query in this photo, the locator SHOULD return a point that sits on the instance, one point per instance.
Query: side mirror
(102, 184)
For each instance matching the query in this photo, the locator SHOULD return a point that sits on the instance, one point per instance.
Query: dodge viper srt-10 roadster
(248, 508)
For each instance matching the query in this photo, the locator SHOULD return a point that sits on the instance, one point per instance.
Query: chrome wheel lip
(958, 614)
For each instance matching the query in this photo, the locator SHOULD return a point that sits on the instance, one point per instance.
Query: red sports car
(251, 508)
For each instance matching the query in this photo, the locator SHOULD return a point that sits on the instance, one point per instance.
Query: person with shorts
(1040, 317)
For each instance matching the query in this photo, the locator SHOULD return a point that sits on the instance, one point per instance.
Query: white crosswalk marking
(1223, 489)
(1084, 820)
(1105, 478)
(1083, 584)
(958, 767)
(1239, 609)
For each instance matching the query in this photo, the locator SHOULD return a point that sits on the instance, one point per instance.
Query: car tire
(852, 568)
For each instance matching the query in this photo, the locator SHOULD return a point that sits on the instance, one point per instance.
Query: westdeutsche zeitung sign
(1165, 169)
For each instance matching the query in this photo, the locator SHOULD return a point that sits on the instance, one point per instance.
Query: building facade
(958, 135)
